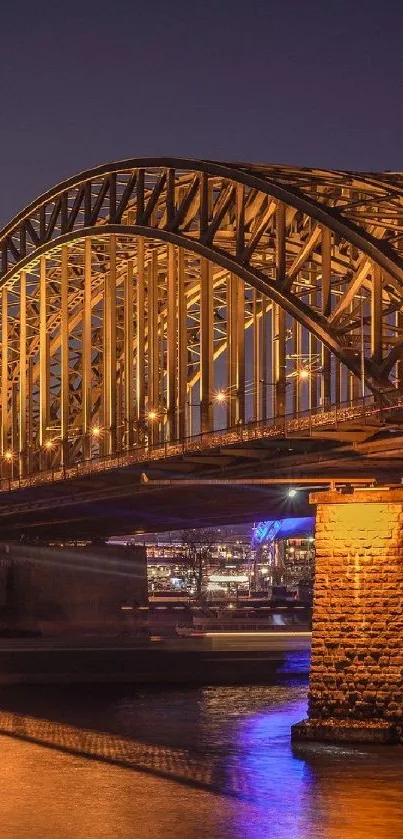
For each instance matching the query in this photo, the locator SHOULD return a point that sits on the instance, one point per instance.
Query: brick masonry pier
(356, 681)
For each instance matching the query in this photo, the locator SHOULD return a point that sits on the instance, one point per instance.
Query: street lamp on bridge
(220, 397)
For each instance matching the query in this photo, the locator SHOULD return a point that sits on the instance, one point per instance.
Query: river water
(205, 763)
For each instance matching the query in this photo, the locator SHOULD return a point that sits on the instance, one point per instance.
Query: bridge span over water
(188, 317)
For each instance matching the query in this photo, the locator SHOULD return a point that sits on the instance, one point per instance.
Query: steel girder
(123, 287)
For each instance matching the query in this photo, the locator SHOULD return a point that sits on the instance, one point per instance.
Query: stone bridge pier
(356, 681)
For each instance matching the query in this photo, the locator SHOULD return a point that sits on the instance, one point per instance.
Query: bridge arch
(144, 287)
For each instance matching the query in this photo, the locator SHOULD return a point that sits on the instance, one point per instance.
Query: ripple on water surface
(211, 762)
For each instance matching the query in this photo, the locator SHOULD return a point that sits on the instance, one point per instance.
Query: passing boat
(266, 619)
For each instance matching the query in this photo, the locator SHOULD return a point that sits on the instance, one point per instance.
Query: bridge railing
(364, 411)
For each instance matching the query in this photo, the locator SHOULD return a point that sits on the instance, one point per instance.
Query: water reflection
(228, 751)
(317, 791)
(276, 779)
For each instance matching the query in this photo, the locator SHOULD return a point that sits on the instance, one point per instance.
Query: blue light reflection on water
(237, 739)
(295, 663)
(319, 791)
(273, 778)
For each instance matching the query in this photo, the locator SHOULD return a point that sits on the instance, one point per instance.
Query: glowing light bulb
(49, 444)
(8, 455)
(292, 492)
(303, 374)
(152, 415)
(96, 431)
(220, 396)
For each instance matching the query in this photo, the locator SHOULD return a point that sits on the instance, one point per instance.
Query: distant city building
(243, 559)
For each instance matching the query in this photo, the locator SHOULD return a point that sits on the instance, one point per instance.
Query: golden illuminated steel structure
(152, 299)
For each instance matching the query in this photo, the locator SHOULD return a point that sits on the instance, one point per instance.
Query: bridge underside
(172, 494)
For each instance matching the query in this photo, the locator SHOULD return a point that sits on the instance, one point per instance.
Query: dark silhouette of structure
(55, 590)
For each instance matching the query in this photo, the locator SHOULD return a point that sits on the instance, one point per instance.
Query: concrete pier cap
(356, 680)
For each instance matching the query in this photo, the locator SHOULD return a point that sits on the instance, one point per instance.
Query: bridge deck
(359, 419)
(109, 496)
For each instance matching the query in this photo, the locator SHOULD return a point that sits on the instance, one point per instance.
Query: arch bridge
(157, 307)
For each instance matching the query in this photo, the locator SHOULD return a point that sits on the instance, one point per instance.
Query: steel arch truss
(151, 299)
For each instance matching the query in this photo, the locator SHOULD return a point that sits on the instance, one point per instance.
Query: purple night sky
(316, 83)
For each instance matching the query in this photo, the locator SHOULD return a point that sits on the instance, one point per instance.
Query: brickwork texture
(357, 644)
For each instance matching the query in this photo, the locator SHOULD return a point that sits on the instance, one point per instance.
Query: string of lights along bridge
(155, 301)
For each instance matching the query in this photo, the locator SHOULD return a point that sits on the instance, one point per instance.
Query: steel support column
(399, 365)
(30, 423)
(280, 243)
(240, 324)
(153, 359)
(353, 381)
(64, 347)
(43, 354)
(376, 314)
(235, 350)
(338, 383)
(22, 406)
(172, 308)
(326, 308)
(140, 339)
(279, 318)
(110, 350)
(232, 349)
(182, 345)
(257, 357)
(297, 350)
(264, 390)
(5, 416)
(128, 368)
(313, 347)
(279, 361)
(235, 353)
(14, 425)
(206, 346)
(87, 350)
